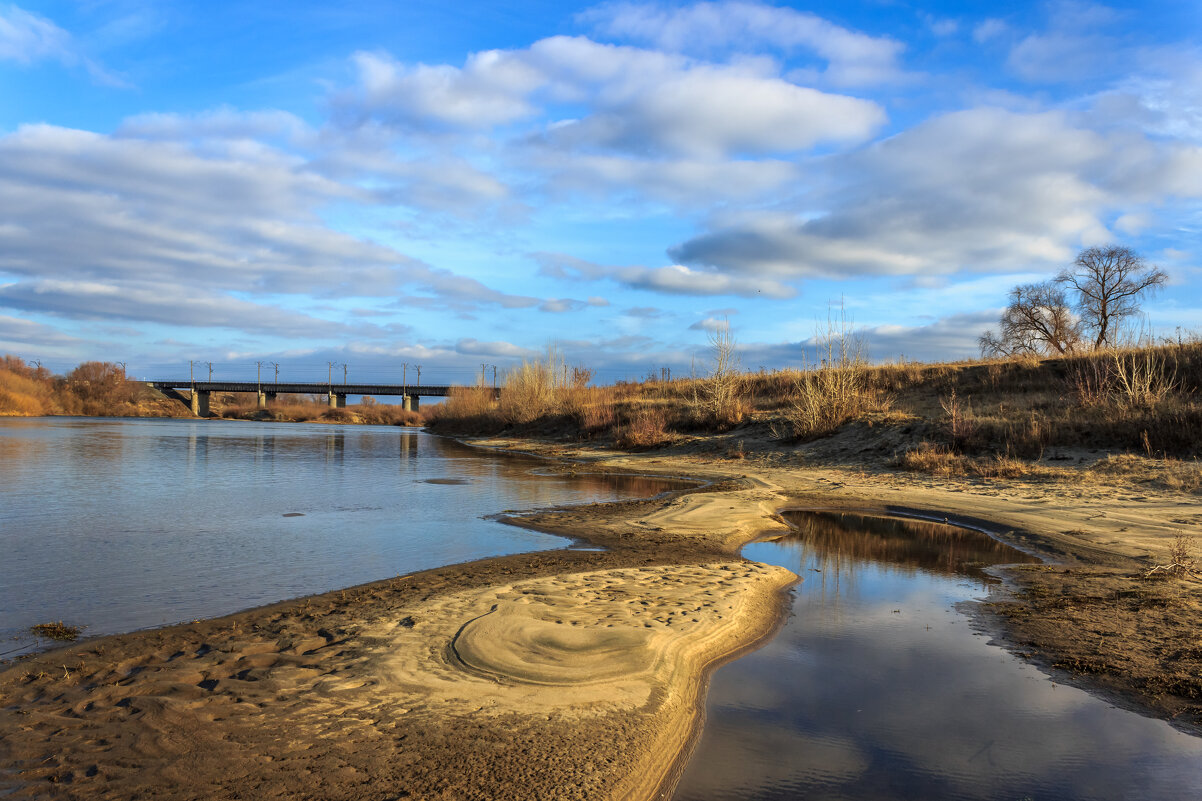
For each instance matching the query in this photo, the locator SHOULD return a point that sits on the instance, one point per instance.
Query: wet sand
(569, 674)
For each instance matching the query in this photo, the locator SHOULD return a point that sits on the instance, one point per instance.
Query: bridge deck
(412, 390)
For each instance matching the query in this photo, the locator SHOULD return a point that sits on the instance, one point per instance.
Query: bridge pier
(337, 401)
(262, 399)
(411, 403)
(200, 403)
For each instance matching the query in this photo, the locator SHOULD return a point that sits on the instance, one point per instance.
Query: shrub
(647, 428)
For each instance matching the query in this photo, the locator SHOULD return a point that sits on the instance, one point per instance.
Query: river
(118, 524)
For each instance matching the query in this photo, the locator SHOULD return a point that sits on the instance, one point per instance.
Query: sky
(382, 184)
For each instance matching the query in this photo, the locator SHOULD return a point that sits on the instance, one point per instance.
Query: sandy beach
(574, 673)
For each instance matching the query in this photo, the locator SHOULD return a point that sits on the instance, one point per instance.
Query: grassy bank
(1110, 412)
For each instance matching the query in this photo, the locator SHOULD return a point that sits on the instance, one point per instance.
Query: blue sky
(457, 184)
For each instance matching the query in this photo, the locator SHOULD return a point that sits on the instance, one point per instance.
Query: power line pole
(483, 379)
(259, 375)
(419, 374)
(210, 365)
(191, 380)
(330, 375)
(494, 376)
(344, 374)
(405, 374)
(277, 371)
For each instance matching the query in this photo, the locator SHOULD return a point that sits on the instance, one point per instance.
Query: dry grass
(58, 630)
(646, 428)
(940, 461)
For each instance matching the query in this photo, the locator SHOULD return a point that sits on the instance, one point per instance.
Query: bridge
(268, 390)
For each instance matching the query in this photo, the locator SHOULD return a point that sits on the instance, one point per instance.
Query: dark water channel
(879, 688)
(125, 524)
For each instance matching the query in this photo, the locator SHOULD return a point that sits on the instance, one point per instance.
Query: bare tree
(1109, 283)
(1038, 321)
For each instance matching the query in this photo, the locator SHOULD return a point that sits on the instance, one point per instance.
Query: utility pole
(210, 364)
(277, 371)
(419, 374)
(483, 379)
(405, 374)
(494, 376)
(191, 380)
(259, 376)
(344, 374)
(330, 376)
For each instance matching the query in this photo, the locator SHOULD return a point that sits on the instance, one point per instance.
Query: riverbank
(567, 674)
(1091, 614)
(563, 674)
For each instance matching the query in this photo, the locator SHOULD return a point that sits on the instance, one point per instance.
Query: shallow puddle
(878, 688)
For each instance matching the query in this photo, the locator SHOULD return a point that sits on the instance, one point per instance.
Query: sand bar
(571, 674)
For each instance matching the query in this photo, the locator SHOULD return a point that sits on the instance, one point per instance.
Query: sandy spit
(561, 675)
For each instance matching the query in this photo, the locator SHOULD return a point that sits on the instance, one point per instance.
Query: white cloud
(131, 228)
(989, 30)
(711, 324)
(25, 333)
(984, 189)
(713, 112)
(499, 349)
(490, 89)
(675, 279)
(637, 101)
(852, 58)
(26, 38)
(149, 303)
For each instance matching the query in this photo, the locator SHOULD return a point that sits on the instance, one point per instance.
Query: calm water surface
(877, 688)
(125, 524)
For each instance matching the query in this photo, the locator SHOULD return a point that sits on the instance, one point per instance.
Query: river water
(125, 524)
(878, 687)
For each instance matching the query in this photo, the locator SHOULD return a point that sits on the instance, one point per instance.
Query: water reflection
(121, 524)
(840, 542)
(877, 688)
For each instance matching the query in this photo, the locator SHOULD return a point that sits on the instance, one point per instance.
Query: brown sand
(556, 675)
(566, 674)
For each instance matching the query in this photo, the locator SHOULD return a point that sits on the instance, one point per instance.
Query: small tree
(1109, 283)
(1038, 321)
(725, 383)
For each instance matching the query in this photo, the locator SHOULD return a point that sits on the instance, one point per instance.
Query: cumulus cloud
(984, 189)
(161, 231)
(853, 58)
(636, 101)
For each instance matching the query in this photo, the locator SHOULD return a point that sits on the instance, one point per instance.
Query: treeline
(92, 388)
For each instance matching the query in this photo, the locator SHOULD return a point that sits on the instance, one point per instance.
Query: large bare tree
(1037, 322)
(1109, 283)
